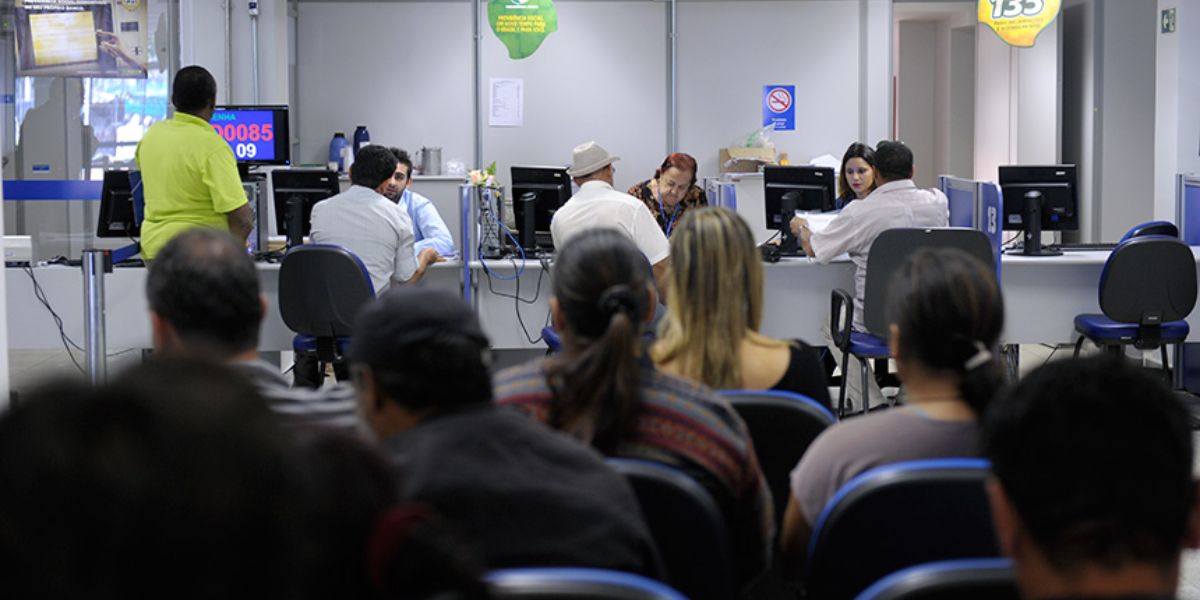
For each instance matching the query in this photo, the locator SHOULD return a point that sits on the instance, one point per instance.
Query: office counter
(1042, 297)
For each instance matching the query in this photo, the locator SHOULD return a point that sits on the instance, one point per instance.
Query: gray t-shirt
(857, 445)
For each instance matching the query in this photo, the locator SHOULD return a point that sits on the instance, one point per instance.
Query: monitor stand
(294, 218)
(789, 245)
(1032, 216)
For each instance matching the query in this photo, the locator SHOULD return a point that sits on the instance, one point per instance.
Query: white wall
(1177, 114)
(203, 42)
(960, 121)
(917, 112)
(402, 69)
(875, 70)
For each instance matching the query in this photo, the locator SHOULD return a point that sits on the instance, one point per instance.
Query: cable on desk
(67, 342)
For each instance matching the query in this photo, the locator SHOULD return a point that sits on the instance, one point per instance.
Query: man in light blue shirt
(428, 227)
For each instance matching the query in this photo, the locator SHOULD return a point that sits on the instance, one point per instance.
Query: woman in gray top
(946, 316)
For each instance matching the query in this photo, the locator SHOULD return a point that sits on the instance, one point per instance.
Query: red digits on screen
(255, 133)
(268, 132)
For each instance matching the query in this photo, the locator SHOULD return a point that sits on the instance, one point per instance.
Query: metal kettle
(430, 160)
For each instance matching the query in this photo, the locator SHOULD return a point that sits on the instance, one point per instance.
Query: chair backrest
(975, 578)
(576, 584)
(782, 425)
(1166, 228)
(896, 516)
(321, 288)
(893, 247)
(687, 526)
(1149, 278)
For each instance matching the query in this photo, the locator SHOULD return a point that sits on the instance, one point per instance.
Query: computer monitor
(120, 205)
(1039, 198)
(788, 189)
(296, 192)
(538, 192)
(258, 135)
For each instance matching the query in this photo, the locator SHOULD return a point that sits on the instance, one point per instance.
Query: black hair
(949, 311)
(174, 477)
(445, 372)
(856, 150)
(205, 285)
(373, 165)
(1095, 456)
(602, 282)
(893, 160)
(403, 158)
(193, 90)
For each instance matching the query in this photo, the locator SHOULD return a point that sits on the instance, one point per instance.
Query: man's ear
(557, 316)
(1191, 538)
(1004, 517)
(894, 341)
(262, 303)
(162, 333)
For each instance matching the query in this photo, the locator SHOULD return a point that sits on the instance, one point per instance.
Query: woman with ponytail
(946, 315)
(604, 390)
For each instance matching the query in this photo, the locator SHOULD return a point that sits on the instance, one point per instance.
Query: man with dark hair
(189, 174)
(429, 230)
(895, 202)
(530, 496)
(1092, 489)
(205, 301)
(174, 480)
(363, 221)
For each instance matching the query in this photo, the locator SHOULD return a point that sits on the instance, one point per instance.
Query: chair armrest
(841, 317)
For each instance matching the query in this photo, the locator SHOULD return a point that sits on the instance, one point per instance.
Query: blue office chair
(575, 584)
(1147, 289)
(551, 339)
(897, 516)
(974, 578)
(783, 425)
(687, 526)
(888, 254)
(321, 289)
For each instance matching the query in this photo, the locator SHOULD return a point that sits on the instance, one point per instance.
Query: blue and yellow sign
(1018, 22)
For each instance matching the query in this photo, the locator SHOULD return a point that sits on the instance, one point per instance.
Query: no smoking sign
(779, 107)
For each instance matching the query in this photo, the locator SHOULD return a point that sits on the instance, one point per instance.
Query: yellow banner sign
(1018, 22)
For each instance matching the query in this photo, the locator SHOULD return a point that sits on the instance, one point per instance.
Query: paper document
(507, 103)
(817, 221)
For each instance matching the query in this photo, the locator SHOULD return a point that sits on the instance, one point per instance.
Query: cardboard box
(747, 160)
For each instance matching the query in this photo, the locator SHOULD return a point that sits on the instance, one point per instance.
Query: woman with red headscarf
(671, 191)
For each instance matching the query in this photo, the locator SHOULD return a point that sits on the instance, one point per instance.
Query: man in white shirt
(598, 204)
(365, 222)
(896, 202)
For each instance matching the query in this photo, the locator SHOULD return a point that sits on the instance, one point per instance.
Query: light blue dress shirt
(429, 229)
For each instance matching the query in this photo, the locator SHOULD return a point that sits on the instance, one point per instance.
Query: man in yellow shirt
(189, 175)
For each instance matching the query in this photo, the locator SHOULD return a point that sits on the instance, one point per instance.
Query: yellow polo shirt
(189, 179)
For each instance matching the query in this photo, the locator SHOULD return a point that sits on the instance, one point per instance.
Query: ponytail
(981, 377)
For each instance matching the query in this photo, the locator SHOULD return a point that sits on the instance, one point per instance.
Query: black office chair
(687, 526)
(896, 516)
(888, 253)
(575, 584)
(782, 425)
(1147, 289)
(321, 289)
(974, 578)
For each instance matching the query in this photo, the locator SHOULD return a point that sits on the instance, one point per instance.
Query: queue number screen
(250, 133)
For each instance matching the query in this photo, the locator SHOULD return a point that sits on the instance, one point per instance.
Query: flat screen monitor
(258, 135)
(788, 189)
(1037, 199)
(120, 205)
(544, 190)
(296, 191)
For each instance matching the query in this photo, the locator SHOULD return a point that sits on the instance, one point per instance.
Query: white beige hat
(589, 157)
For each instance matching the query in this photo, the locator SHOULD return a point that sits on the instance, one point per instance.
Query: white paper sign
(507, 105)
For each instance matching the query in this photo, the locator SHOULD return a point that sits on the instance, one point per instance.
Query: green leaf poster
(522, 25)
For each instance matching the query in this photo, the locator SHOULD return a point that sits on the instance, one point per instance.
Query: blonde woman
(715, 304)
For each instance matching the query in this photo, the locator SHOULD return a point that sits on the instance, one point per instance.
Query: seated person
(715, 304)
(946, 314)
(1092, 489)
(856, 177)
(205, 302)
(366, 223)
(174, 480)
(671, 191)
(896, 202)
(602, 390)
(429, 230)
(597, 204)
(529, 496)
